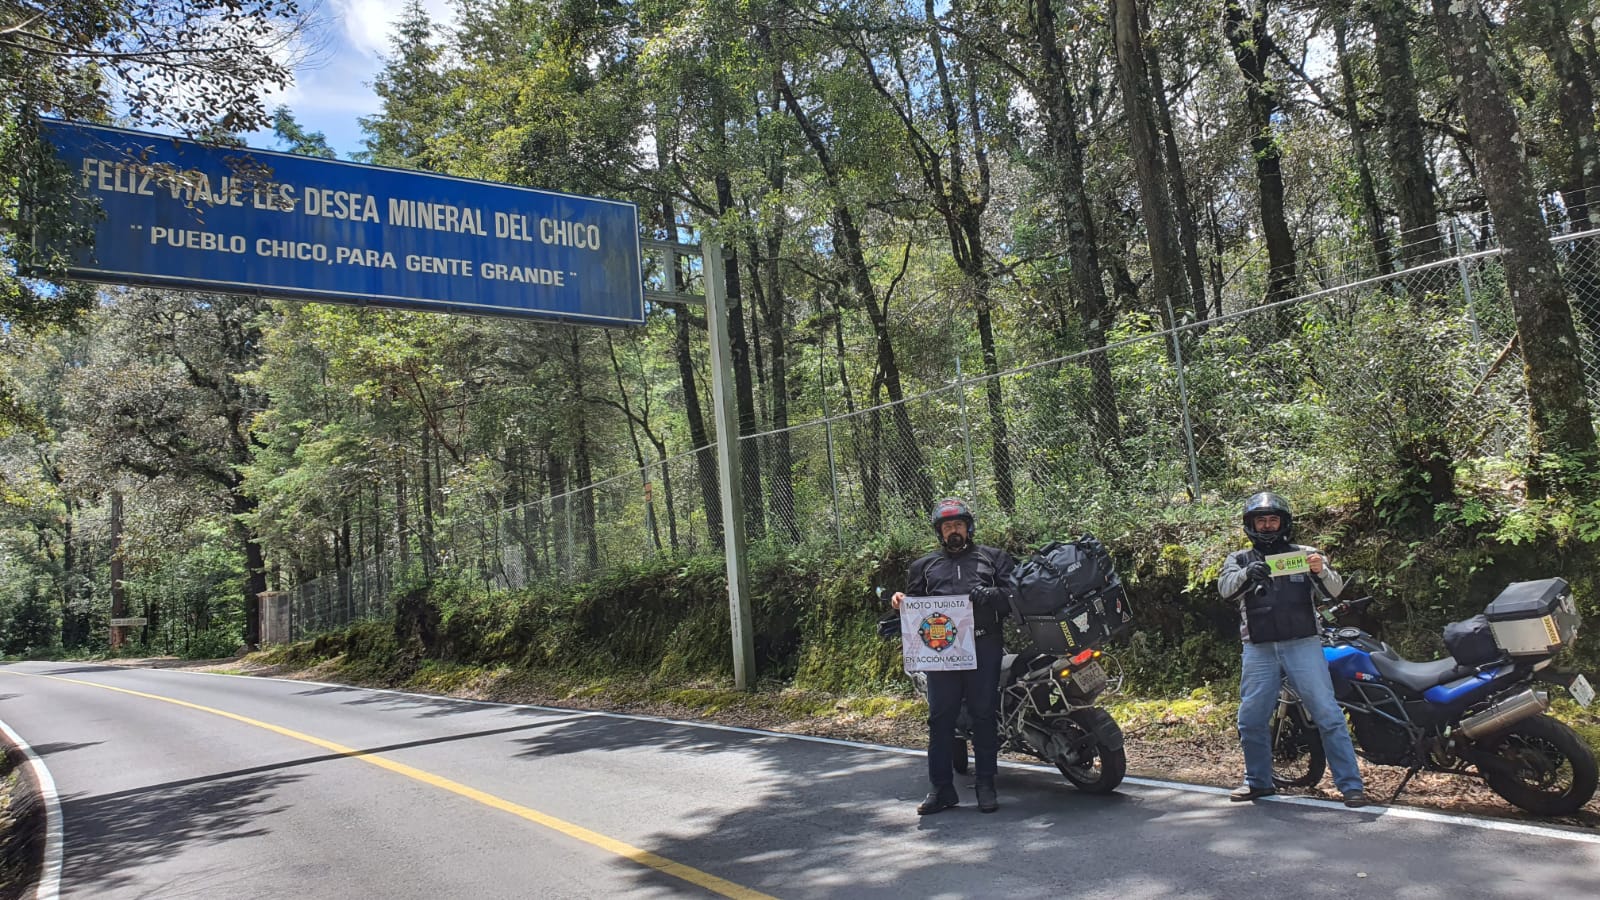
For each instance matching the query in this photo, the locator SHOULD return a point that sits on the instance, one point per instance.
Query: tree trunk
(743, 389)
(430, 551)
(1575, 98)
(402, 517)
(908, 468)
(119, 591)
(580, 453)
(1155, 201)
(255, 567)
(1561, 427)
(907, 462)
(1066, 177)
(341, 558)
(651, 527)
(870, 498)
(1252, 44)
(561, 527)
(1408, 156)
(705, 457)
(705, 453)
(781, 463)
(1182, 206)
(962, 203)
(1377, 228)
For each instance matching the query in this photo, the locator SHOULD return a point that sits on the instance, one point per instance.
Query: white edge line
(1377, 812)
(54, 832)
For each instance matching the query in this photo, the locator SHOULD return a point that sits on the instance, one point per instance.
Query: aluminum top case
(1534, 618)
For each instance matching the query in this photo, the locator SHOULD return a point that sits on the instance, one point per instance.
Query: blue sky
(344, 53)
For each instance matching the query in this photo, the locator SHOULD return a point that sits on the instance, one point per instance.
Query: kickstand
(1403, 782)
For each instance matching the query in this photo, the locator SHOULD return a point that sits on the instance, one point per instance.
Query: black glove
(987, 595)
(1258, 572)
(984, 594)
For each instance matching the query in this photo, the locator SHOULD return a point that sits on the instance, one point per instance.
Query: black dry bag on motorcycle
(1069, 596)
(1471, 641)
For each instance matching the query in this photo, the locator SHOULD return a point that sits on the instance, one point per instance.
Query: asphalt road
(178, 785)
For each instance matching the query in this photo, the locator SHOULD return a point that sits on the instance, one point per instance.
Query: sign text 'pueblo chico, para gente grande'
(191, 215)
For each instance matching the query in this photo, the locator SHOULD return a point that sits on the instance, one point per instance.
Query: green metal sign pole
(744, 648)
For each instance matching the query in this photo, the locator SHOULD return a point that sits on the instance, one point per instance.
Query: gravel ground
(1197, 748)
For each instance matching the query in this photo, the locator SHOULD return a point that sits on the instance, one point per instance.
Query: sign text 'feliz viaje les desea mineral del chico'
(173, 212)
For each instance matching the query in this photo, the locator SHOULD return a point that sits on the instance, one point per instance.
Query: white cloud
(341, 56)
(369, 24)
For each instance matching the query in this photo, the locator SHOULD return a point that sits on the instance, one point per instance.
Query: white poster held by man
(936, 634)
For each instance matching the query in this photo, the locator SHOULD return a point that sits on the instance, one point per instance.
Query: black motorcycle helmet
(1265, 503)
(953, 508)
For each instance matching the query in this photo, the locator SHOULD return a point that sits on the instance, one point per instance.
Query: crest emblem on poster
(937, 631)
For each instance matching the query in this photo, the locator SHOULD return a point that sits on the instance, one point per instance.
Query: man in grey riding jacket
(1282, 639)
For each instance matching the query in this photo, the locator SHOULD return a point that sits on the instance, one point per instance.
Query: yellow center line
(627, 851)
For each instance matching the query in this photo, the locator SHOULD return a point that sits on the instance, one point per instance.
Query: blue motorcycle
(1475, 713)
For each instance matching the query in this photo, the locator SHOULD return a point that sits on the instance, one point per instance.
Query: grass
(1206, 711)
(17, 861)
(694, 697)
(1198, 713)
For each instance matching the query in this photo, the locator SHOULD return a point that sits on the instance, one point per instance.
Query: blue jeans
(1301, 660)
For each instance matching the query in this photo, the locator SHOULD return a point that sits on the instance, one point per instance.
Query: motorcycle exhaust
(1507, 712)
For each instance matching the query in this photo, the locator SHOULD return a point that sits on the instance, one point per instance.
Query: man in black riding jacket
(984, 574)
(1282, 638)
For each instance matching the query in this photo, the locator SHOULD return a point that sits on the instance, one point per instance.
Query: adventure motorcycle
(1474, 713)
(1047, 710)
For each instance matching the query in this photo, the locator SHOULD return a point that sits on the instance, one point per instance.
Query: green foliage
(469, 453)
(216, 643)
(28, 618)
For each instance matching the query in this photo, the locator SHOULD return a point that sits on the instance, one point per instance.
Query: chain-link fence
(1412, 372)
(671, 507)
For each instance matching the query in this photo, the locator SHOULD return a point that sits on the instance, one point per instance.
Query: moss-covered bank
(815, 609)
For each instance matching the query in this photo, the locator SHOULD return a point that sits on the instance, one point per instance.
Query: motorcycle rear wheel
(958, 755)
(1102, 771)
(1554, 771)
(1298, 759)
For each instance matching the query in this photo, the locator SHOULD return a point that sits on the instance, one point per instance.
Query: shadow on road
(84, 669)
(424, 707)
(61, 747)
(805, 819)
(113, 835)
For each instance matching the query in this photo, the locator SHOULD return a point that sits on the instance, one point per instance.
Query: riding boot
(988, 801)
(940, 798)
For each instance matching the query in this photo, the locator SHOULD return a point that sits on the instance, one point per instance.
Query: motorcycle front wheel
(1297, 756)
(1102, 770)
(1548, 769)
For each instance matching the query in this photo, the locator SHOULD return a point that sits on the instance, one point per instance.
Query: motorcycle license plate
(1581, 691)
(1089, 678)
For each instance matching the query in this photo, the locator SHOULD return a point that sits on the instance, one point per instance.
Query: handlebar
(1359, 604)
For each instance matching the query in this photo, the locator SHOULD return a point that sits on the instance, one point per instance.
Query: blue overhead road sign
(190, 215)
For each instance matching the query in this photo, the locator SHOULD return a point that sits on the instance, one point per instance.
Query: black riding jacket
(942, 572)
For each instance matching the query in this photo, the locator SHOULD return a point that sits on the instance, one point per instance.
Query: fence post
(1466, 282)
(1183, 397)
(966, 431)
(572, 545)
(827, 431)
